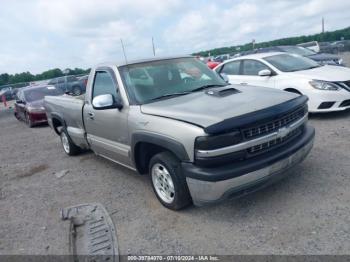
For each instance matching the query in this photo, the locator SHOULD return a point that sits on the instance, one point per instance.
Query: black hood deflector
(264, 115)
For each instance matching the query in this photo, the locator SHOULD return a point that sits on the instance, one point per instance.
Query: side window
(71, 79)
(60, 80)
(231, 68)
(252, 67)
(53, 81)
(104, 84)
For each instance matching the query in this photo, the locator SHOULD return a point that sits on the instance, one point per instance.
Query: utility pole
(322, 25)
(154, 50)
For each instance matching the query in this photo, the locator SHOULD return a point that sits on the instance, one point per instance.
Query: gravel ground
(307, 213)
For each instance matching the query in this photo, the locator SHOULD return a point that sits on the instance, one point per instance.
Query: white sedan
(328, 87)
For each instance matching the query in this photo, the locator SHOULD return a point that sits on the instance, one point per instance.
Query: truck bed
(70, 110)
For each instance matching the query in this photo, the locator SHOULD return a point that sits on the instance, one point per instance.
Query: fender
(172, 145)
(57, 116)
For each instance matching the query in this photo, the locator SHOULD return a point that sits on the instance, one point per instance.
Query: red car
(29, 105)
(212, 64)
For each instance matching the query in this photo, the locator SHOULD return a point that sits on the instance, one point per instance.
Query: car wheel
(76, 91)
(68, 146)
(28, 121)
(168, 182)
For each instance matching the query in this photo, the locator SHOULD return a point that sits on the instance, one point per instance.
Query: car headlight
(324, 85)
(218, 141)
(36, 109)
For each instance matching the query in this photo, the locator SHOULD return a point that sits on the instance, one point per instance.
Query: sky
(37, 35)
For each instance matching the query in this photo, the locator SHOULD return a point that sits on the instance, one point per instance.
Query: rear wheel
(76, 90)
(68, 146)
(168, 182)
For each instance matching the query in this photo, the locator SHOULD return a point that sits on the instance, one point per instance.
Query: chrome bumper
(206, 192)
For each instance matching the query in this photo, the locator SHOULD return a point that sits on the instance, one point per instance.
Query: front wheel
(168, 182)
(68, 146)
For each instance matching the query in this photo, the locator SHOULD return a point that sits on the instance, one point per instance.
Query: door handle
(91, 115)
(243, 84)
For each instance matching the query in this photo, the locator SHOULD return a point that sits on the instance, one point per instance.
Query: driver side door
(250, 69)
(106, 129)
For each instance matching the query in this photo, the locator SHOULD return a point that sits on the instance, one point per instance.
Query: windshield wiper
(167, 95)
(205, 87)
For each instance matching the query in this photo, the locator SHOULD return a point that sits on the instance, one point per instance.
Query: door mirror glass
(105, 102)
(265, 72)
(224, 77)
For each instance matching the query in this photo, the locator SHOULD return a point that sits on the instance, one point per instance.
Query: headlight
(36, 109)
(218, 141)
(324, 85)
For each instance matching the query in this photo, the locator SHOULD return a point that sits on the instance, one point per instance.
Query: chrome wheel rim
(65, 142)
(163, 183)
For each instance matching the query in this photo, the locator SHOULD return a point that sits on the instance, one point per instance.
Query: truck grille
(278, 141)
(272, 126)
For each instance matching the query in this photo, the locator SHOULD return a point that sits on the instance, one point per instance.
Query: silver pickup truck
(200, 139)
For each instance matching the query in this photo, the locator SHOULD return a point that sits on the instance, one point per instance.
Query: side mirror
(224, 77)
(265, 72)
(106, 102)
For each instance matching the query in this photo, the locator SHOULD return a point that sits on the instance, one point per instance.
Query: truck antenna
(126, 60)
(154, 50)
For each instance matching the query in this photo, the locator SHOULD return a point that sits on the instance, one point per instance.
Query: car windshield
(298, 50)
(150, 81)
(291, 63)
(36, 94)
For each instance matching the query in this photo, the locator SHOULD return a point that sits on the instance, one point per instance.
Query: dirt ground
(307, 213)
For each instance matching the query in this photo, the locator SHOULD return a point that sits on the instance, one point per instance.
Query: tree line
(9, 79)
(342, 34)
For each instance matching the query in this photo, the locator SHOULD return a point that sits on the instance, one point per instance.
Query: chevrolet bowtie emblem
(282, 132)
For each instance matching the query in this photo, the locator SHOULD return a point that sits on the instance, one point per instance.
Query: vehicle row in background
(29, 105)
(69, 84)
(328, 86)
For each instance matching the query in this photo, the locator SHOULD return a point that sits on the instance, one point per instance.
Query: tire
(68, 146)
(28, 121)
(168, 182)
(76, 91)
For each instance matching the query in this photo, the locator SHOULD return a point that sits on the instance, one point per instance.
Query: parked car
(69, 84)
(221, 58)
(199, 138)
(8, 92)
(208, 61)
(320, 58)
(29, 103)
(312, 45)
(328, 87)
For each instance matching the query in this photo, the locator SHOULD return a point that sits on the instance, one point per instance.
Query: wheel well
(292, 90)
(56, 123)
(143, 153)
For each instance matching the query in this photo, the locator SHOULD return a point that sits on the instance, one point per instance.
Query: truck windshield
(163, 79)
(291, 63)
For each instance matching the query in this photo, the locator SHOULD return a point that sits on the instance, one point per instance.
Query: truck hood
(326, 73)
(202, 109)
